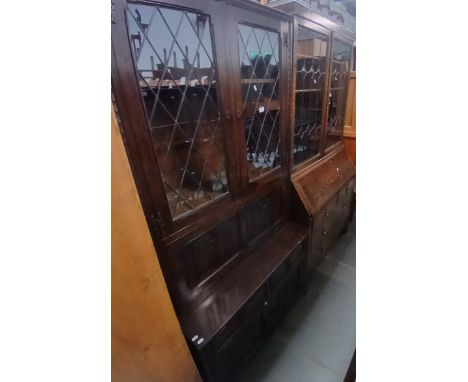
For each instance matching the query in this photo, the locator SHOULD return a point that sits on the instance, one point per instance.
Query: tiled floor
(316, 340)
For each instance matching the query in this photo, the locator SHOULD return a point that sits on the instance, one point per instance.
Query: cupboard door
(175, 69)
(311, 72)
(259, 61)
(260, 91)
(339, 76)
(239, 348)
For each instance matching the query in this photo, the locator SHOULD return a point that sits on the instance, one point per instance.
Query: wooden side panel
(147, 342)
(349, 132)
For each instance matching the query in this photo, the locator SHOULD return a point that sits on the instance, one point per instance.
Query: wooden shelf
(247, 81)
(269, 105)
(168, 84)
(340, 61)
(308, 90)
(301, 56)
(194, 122)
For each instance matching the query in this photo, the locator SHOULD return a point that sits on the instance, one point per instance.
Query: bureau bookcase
(204, 96)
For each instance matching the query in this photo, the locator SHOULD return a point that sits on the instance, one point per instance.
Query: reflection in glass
(259, 64)
(173, 56)
(311, 73)
(341, 58)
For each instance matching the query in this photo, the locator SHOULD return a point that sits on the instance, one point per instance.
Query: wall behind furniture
(147, 342)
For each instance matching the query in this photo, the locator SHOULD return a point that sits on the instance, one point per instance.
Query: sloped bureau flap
(317, 184)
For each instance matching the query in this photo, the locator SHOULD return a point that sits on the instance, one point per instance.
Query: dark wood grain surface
(230, 293)
(233, 264)
(317, 184)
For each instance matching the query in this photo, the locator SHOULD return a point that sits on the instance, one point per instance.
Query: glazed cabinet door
(169, 91)
(259, 47)
(310, 82)
(340, 67)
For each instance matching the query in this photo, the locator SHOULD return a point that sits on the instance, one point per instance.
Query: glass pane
(341, 57)
(259, 62)
(311, 74)
(173, 55)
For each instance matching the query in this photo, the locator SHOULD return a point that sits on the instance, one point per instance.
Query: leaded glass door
(340, 67)
(259, 54)
(310, 68)
(167, 51)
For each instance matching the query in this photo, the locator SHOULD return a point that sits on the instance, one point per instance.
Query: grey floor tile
(281, 361)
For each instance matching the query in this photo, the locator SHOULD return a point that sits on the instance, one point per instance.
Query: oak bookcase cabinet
(226, 174)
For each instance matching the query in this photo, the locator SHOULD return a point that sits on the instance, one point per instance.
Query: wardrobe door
(341, 56)
(175, 126)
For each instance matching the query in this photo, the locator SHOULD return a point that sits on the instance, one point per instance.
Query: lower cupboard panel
(227, 353)
(239, 350)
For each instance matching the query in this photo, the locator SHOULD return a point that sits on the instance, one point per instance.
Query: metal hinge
(285, 39)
